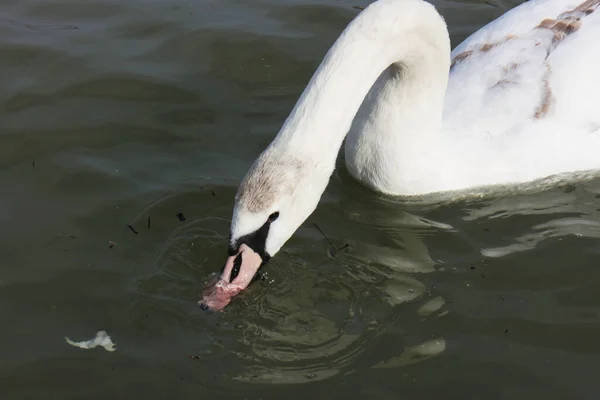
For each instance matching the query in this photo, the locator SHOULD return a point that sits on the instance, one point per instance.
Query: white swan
(516, 101)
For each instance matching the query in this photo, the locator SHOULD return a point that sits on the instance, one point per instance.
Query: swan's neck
(408, 38)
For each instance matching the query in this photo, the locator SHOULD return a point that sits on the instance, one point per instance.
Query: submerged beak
(239, 271)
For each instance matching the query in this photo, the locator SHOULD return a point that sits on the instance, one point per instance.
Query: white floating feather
(101, 339)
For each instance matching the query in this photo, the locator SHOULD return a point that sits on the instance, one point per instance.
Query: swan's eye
(273, 216)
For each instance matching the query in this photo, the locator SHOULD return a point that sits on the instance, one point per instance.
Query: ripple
(314, 317)
(415, 353)
(17, 55)
(129, 87)
(144, 29)
(39, 27)
(558, 228)
(432, 306)
(122, 87)
(535, 218)
(72, 9)
(312, 322)
(189, 116)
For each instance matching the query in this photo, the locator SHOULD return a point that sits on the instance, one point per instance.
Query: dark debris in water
(181, 217)
(262, 275)
(38, 28)
(65, 236)
(332, 250)
(111, 244)
(211, 190)
(148, 222)
(323, 233)
(132, 229)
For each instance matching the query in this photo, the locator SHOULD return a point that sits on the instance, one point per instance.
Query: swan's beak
(239, 271)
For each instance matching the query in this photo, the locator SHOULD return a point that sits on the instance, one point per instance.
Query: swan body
(513, 103)
(520, 105)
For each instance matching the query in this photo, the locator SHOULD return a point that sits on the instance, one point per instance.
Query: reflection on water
(316, 313)
(550, 217)
(321, 313)
(148, 114)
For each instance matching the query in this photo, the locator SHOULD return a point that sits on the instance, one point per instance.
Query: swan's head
(274, 199)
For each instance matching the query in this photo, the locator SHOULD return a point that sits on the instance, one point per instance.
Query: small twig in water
(346, 246)
(132, 229)
(148, 222)
(323, 233)
(332, 250)
(65, 236)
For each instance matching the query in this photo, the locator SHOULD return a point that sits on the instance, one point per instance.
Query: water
(128, 113)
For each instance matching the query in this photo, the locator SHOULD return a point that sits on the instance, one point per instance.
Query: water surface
(127, 113)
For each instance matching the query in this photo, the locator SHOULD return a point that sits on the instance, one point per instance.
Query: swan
(514, 102)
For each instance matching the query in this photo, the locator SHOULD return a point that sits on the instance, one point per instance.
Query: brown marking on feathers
(561, 28)
(547, 98)
(487, 47)
(267, 179)
(502, 82)
(564, 25)
(483, 49)
(569, 21)
(508, 76)
(587, 7)
(462, 56)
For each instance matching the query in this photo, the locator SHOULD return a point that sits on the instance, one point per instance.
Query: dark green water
(117, 112)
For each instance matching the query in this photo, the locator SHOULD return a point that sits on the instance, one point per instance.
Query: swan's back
(523, 94)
